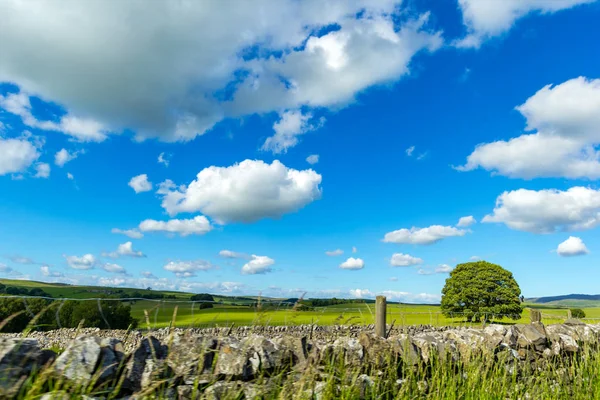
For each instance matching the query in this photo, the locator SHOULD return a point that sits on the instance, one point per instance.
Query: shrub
(577, 313)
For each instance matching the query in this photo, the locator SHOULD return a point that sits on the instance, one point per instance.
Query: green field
(238, 310)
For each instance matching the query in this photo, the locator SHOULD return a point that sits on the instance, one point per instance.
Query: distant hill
(568, 300)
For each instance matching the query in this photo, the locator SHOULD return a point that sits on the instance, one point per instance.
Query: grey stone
(149, 349)
(223, 390)
(18, 357)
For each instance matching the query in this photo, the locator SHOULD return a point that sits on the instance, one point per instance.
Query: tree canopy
(481, 289)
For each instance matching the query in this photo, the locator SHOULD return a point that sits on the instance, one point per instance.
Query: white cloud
(410, 151)
(5, 269)
(354, 249)
(244, 192)
(63, 156)
(124, 250)
(45, 270)
(87, 261)
(573, 246)
(22, 260)
(258, 265)
(187, 269)
(361, 293)
(140, 183)
(42, 170)
(70, 176)
(113, 268)
(81, 129)
(394, 279)
(199, 225)
(103, 281)
(132, 233)
(164, 159)
(337, 252)
(312, 159)
(406, 297)
(175, 78)
(353, 263)
(443, 269)
(404, 260)
(16, 155)
(463, 222)
(566, 121)
(547, 211)
(423, 236)
(485, 19)
(291, 124)
(475, 258)
(148, 275)
(232, 254)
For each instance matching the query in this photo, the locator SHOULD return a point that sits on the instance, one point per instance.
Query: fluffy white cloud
(16, 155)
(404, 260)
(244, 192)
(258, 265)
(42, 170)
(466, 221)
(566, 121)
(132, 233)
(361, 293)
(353, 263)
(175, 78)
(63, 156)
(232, 254)
(547, 211)
(70, 176)
(87, 261)
(187, 269)
(45, 270)
(312, 159)
(103, 281)
(291, 124)
(573, 246)
(113, 268)
(140, 183)
(337, 252)
(198, 225)
(443, 269)
(488, 18)
(82, 129)
(124, 250)
(406, 297)
(424, 236)
(164, 159)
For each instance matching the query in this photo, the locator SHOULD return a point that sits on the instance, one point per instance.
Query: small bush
(577, 313)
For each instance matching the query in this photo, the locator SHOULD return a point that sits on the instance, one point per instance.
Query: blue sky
(327, 148)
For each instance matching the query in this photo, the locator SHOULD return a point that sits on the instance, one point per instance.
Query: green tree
(577, 313)
(480, 290)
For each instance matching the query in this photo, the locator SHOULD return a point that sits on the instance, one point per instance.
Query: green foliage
(577, 313)
(481, 289)
(204, 306)
(202, 297)
(330, 302)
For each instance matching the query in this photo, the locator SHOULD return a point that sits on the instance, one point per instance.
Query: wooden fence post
(535, 315)
(569, 316)
(380, 311)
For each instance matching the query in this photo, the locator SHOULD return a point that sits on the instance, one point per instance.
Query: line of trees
(22, 291)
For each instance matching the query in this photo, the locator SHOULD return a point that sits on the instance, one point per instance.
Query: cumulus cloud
(291, 124)
(164, 159)
(404, 260)
(566, 124)
(548, 211)
(42, 170)
(113, 268)
(573, 246)
(187, 269)
(443, 269)
(132, 233)
(361, 293)
(46, 271)
(17, 155)
(232, 254)
(422, 236)
(244, 192)
(63, 156)
(124, 250)
(198, 225)
(337, 252)
(175, 78)
(81, 129)
(353, 263)
(407, 297)
(258, 265)
(87, 261)
(140, 183)
(312, 159)
(464, 222)
(485, 19)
